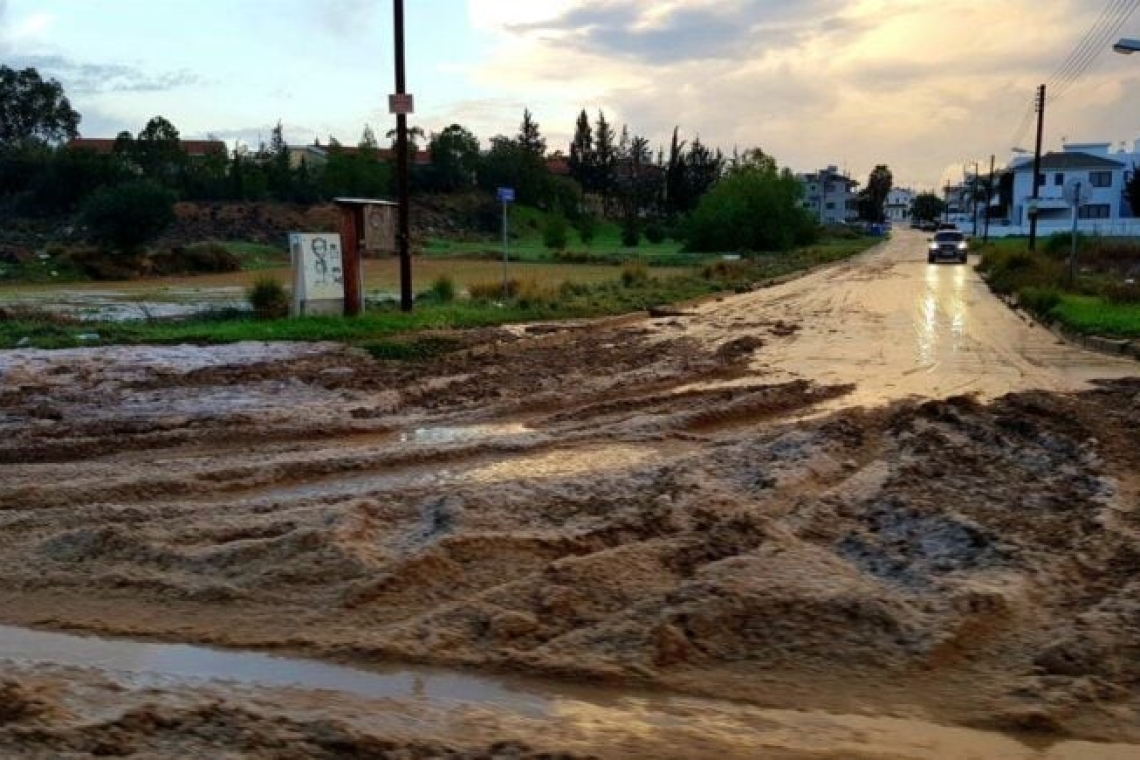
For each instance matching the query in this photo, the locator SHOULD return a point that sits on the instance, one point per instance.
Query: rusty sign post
(365, 226)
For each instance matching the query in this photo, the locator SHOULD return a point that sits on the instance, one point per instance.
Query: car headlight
(963, 246)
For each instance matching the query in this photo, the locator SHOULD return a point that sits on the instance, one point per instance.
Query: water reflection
(943, 317)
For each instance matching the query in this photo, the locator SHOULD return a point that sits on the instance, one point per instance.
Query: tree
(927, 207)
(454, 158)
(753, 208)
(874, 195)
(605, 158)
(157, 151)
(34, 110)
(127, 216)
(1132, 190)
(582, 158)
(368, 139)
(530, 139)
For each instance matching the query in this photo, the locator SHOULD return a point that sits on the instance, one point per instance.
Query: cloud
(665, 33)
(89, 78)
(917, 84)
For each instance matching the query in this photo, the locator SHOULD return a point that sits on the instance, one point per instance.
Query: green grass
(1091, 315)
(1040, 281)
(384, 330)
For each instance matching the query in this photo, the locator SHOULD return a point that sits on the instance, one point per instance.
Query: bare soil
(632, 502)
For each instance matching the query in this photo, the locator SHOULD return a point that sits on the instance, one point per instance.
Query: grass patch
(386, 332)
(1092, 315)
(1101, 300)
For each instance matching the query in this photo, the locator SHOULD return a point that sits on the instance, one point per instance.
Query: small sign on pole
(401, 104)
(506, 197)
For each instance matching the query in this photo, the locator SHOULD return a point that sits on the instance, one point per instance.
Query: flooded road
(898, 327)
(869, 513)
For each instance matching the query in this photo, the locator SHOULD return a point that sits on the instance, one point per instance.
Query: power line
(1118, 13)
(1098, 26)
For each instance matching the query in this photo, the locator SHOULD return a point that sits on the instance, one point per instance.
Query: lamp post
(1126, 46)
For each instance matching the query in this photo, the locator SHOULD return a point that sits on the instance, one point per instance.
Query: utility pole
(1037, 168)
(403, 230)
(974, 199)
(989, 199)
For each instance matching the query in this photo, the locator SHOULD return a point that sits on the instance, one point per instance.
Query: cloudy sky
(921, 85)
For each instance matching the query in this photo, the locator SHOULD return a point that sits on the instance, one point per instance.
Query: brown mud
(676, 504)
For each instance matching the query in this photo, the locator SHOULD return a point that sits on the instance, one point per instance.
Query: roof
(106, 146)
(1070, 160)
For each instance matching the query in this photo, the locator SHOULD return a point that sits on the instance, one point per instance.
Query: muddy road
(874, 492)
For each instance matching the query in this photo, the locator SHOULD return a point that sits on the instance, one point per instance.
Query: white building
(1103, 174)
(829, 195)
(900, 201)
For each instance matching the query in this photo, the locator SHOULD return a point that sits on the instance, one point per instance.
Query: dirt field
(750, 503)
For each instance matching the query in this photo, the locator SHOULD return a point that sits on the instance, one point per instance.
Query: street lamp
(1126, 46)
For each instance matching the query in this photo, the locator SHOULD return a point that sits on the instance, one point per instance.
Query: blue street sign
(507, 194)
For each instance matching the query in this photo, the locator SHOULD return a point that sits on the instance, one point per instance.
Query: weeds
(268, 298)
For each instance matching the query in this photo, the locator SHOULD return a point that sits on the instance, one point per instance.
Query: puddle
(440, 435)
(164, 664)
(125, 306)
(612, 721)
(552, 464)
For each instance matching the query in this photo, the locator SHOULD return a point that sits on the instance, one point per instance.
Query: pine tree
(605, 156)
(530, 139)
(582, 157)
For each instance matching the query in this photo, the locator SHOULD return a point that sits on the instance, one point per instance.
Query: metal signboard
(506, 194)
(380, 228)
(401, 104)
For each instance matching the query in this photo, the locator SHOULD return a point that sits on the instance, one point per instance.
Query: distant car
(948, 245)
(947, 226)
(929, 226)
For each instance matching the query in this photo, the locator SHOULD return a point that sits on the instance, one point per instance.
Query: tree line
(685, 189)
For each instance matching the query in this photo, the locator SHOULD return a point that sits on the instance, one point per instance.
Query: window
(1100, 179)
(1041, 180)
(830, 206)
(1095, 211)
(1059, 179)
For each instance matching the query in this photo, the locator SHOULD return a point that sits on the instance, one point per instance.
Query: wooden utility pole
(1037, 168)
(403, 228)
(989, 199)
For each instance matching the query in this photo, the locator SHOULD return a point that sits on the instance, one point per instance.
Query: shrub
(268, 298)
(555, 233)
(128, 216)
(634, 274)
(751, 209)
(443, 289)
(1127, 292)
(531, 294)
(1060, 244)
(200, 258)
(655, 233)
(1039, 300)
(492, 290)
(587, 227)
(630, 234)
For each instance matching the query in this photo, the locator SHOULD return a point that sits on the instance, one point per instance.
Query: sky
(923, 86)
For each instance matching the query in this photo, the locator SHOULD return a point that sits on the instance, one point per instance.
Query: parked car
(948, 245)
(929, 226)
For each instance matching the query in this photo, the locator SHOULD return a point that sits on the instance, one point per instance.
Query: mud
(854, 516)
